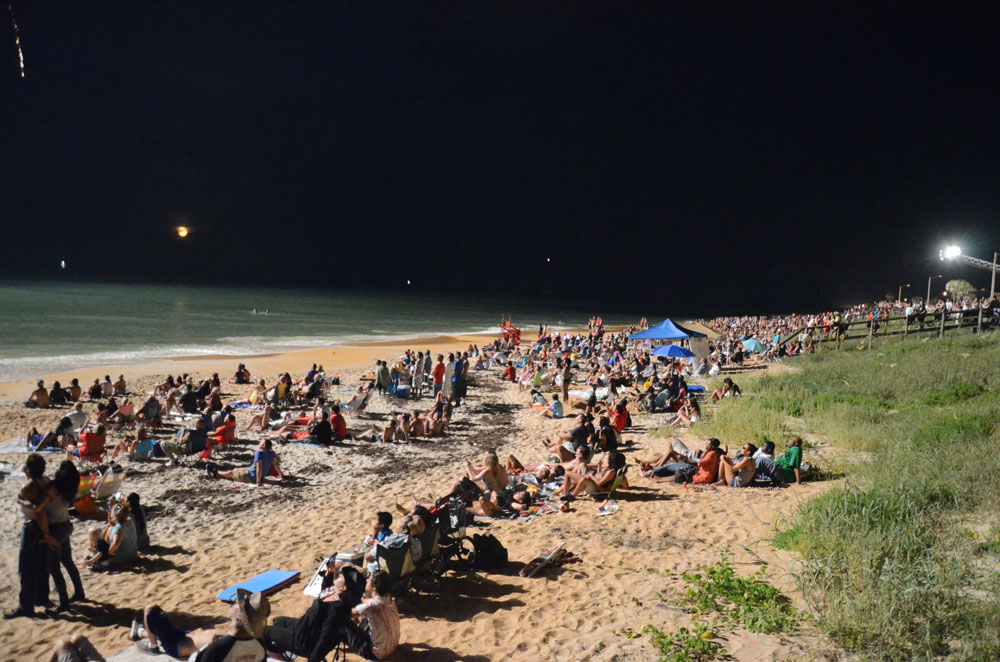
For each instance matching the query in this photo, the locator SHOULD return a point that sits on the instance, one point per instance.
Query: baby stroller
(412, 560)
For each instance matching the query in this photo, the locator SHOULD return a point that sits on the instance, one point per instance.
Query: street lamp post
(927, 301)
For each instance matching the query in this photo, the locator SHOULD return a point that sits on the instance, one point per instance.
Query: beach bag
(490, 553)
(393, 556)
(685, 475)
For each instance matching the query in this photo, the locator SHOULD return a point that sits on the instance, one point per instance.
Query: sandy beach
(208, 534)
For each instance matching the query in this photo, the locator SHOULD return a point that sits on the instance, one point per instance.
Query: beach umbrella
(673, 351)
(753, 345)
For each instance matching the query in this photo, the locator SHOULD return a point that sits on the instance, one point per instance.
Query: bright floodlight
(951, 252)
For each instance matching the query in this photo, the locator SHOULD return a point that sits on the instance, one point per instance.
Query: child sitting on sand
(98, 550)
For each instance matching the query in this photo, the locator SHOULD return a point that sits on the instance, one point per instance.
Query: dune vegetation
(901, 557)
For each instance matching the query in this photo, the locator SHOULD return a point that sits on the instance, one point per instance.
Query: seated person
(214, 399)
(74, 390)
(325, 624)
(91, 444)
(124, 415)
(119, 386)
(263, 419)
(729, 389)
(150, 411)
(767, 449)
(537, 399)
(188, 401)
(578, 482)
(605, 437)
(264, 459)
(130, 446)
(567, 442)
(741, 472)
(242, 375)
(509, 373)
(379, 620)
(420, 425)
(97, 552)
(688, 414)
(39, 398)
(555, 410)
(121, 537)
(790, 461)
(238, 641)
(94, 392)
(380, 531)
(57, 396)
(226, 432)
(488, 477)
(107, 388)
(190, 441)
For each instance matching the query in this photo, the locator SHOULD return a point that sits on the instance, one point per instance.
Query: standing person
(418, 375)
(566, 378)
(438, 375)
(458, 380)
(59, 496)
(381, 376)
(31, 556)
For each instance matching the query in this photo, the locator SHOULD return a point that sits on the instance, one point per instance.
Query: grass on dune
(900, 560)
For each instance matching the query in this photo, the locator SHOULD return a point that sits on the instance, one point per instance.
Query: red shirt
(618, 420)
(226, 432)
(339, 426)
(91, 443)
(708, 468)
(509, 374)
(438, 372)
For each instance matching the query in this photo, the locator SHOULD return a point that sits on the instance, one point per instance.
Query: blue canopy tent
(666, 330)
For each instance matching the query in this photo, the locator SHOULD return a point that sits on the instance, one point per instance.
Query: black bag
(490, 553)
(685, 475)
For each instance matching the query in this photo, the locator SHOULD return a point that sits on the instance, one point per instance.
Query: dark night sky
(735, 157)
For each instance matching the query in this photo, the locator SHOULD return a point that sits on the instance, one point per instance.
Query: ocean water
(55, 327)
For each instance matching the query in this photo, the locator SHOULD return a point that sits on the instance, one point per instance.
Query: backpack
(490, 553)
(685, 475)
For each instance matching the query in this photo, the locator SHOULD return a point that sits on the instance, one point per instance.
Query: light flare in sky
(182, 231)
(17, 38)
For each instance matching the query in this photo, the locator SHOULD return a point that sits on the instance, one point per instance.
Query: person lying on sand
(239, 640)
(319, 433)
(494, 503)
(707, 466)
(543, 472)
(76, 649)
(262, 420)
(265, 462)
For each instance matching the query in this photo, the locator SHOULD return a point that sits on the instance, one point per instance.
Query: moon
(182, 231)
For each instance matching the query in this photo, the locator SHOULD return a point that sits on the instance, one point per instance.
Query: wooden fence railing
(931, 322)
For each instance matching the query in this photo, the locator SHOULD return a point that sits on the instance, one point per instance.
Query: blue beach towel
(266, 582)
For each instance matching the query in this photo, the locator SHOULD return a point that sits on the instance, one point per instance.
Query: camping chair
(615, 484)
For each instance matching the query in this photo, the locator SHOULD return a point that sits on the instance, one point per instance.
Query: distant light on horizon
(182, 231)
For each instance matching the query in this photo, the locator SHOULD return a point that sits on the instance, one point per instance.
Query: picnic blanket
(18, 446)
